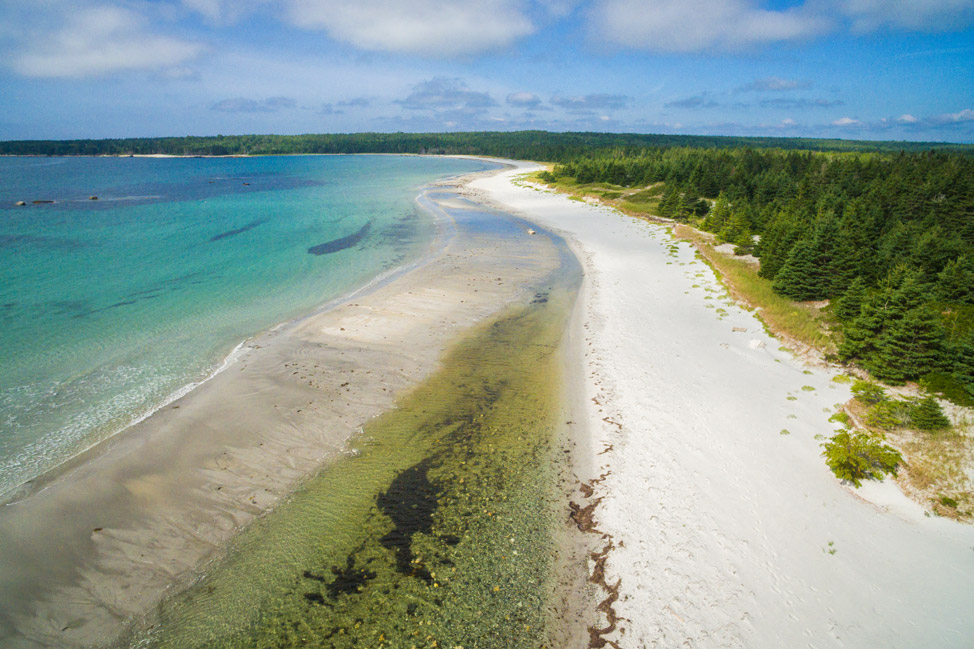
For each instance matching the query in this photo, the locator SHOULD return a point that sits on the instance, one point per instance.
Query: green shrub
(856, 457)
(926, 414)
(887, 415)
(947, 501)
(841, 417)
(869, 393)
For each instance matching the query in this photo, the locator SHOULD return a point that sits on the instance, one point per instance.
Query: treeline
(522, 145)
(888, 238)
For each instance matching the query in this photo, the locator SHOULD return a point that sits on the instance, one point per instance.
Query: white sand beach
(726, 527)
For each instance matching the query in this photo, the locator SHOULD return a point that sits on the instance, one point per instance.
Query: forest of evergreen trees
(888, 238)
(521, 145)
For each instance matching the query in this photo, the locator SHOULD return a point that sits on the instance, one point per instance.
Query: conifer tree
(800, 277)
(909, 347)
(926, 414)
(955, 283)
(718, 214)
(848, 306)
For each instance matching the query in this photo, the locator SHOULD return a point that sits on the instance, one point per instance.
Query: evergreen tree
(909, 347)
(735, 228)
(718, 215)
(669, 201)
(955, 283)
(848, 306)
(926, 414)
(800, 278)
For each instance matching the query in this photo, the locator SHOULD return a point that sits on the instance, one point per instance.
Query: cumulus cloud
(695, 25)
(961, 117)
(697, 101)
(846, 121)
(772, 84)
(443, 93)
(436, 28)
(591, 103)
(524, 100)
(244, 105)
(923, 15)
(96, 41)
(906, 118)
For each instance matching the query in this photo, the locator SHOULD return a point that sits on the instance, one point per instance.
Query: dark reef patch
(341, 244)
(240, 230)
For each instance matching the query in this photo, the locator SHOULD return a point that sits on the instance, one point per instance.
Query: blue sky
(872, 69)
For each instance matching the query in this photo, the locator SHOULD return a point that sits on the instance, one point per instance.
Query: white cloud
(846, 121)
(906, 118)
(773, 84)
(695, 25)
(923, 15)
(966, 115)
(442, 93)
(591, 103)
(436, 28)
(97, 41)
(524, 100)
(224, 11)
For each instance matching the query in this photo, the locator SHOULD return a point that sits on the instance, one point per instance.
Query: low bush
(856, 457)
(888, 415)
(869, 393)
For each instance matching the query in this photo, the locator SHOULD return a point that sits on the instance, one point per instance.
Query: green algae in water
(437, 534)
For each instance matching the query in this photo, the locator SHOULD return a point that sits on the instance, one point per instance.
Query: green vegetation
(437, 533)
(889, 239)
(855, 457)
(926, 414)
(523, 145)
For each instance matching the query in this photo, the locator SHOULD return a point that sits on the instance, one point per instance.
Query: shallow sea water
(436, 530)
(110, 307)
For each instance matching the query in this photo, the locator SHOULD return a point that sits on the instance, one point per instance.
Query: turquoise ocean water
(110, 307)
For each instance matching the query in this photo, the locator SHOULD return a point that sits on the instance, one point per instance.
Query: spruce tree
(955, 283)
(718, 214)
(800, 276)
(926, 414)
(848, 306)
(909, 347)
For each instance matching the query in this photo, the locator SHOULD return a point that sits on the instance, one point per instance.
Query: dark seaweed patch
(348, 579)
(410, 502)
(340, 244)
(240, 230)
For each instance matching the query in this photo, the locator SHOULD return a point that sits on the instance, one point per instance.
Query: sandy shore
(713, 511)
(137, 515)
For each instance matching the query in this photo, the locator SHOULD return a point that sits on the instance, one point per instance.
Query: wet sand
(103, 541)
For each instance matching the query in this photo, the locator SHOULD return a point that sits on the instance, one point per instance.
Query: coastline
(717, 522)
(148, 506)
